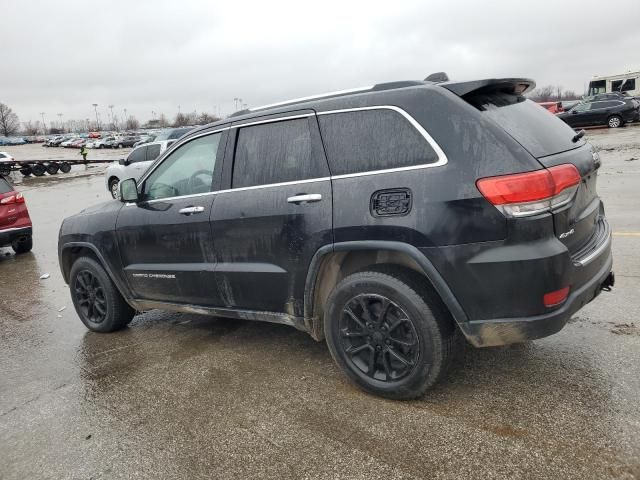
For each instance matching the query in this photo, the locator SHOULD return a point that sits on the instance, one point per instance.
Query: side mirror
(128, 190)
(574, 111)
(123, 162)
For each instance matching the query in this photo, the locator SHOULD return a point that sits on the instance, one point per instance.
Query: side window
(583, 107)
(372, 140)
(273, 153)
(137, 155)
(188, 170)
(627, 85)
(5, 187)
(153, 151)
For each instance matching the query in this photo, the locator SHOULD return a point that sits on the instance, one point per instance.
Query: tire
(38, 169)
(96, 299)
(5, 169)
(113, 187)
(615, 121)
(52, 168)
(119, 145)
(101, 146)
(26, 171)
(65, 167)
(22, 244)
(409, 355)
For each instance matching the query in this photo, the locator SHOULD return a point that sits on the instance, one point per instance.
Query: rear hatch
(552, 142)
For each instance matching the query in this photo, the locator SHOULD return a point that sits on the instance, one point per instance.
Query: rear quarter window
(370, 140)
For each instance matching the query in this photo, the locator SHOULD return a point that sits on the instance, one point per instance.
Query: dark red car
(15, 224)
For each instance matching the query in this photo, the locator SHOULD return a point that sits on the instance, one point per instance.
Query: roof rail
(311, 97)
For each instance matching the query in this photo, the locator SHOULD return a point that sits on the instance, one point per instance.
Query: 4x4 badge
(566, 234)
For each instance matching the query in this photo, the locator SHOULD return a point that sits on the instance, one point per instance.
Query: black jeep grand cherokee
(383, 219)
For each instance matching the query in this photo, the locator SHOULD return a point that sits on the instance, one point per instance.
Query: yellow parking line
(626, 234)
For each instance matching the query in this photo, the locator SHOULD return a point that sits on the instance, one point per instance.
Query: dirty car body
(474, 197)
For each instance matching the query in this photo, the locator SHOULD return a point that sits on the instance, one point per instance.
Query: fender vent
(393, 202)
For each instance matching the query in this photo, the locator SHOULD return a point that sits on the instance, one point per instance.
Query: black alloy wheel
(379, 338)
(90, 297)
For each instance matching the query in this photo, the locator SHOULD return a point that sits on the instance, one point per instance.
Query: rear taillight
(531, 193)
(17, 198)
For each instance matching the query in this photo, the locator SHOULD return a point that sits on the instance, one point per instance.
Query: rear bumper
(8, 235)
(486, 333)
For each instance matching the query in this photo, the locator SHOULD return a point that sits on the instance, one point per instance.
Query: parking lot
(186, 396)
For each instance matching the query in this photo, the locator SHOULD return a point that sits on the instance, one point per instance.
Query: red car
(15, 224)
(553, 107)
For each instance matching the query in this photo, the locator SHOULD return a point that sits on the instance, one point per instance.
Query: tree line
(552, 93)
(10, 123)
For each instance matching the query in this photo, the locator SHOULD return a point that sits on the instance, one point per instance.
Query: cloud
(60, 57)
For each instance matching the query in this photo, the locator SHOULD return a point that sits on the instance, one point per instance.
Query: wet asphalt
(186, 396)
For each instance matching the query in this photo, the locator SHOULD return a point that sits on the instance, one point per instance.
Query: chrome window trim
(273, 120)
(442, 157)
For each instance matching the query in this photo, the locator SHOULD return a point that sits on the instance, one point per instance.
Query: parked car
(128, 141)
(145, 139)
(77, 143)
(104, 142)
(134, 165)
(173, 133)
(15, 224)
(553, 107)
(94, 135)
(57, 141)
(365, 218)
(67, 143)
(614, 113)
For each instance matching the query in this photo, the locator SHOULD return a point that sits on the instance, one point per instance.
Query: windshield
(531, 125)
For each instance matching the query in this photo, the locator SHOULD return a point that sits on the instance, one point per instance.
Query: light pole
(124, 120)
(95, 107)
(235, 103)
(113, 122)
(60, 120)
(44, 125)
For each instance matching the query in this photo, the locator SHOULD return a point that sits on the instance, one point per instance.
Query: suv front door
(274, 214)
(165, 240)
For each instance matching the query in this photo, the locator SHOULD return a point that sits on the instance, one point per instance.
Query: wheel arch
(332, 263)
(70, 252)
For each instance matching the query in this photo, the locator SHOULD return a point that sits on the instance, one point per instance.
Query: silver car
(134, 165)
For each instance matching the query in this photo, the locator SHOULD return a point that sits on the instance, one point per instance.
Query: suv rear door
(275, 213)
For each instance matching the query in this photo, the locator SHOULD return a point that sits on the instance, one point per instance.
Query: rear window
(5, 187)
(369, 140)
(537, 130)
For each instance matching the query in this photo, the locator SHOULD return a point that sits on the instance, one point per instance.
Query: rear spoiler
(507, 85)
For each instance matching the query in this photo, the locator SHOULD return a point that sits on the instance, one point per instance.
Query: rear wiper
(578, 136)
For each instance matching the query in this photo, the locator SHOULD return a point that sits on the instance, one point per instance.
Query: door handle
(190, 210)
(305, 198)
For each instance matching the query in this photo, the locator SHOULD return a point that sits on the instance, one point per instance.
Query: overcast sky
(60, 57)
